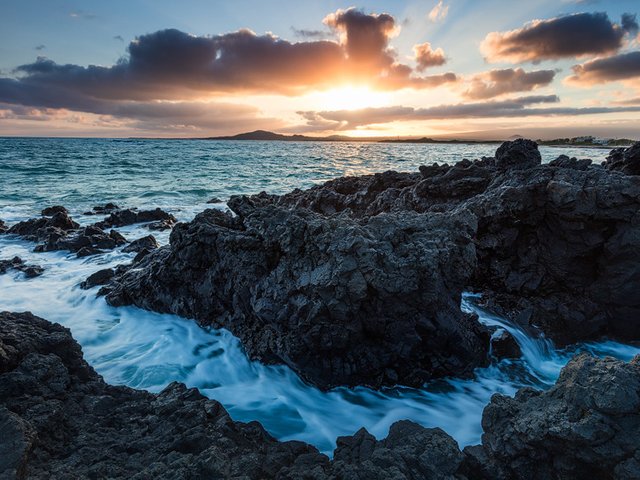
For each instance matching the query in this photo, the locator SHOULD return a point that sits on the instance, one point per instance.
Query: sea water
(130, 346)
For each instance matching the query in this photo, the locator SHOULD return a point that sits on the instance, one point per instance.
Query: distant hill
(264, 135)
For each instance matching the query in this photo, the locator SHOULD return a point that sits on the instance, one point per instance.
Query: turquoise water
(148, 350)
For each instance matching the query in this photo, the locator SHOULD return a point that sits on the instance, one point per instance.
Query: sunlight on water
(148, 350)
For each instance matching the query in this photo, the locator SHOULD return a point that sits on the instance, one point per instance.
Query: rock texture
(129, 216)
(60, 420)
(358, 280)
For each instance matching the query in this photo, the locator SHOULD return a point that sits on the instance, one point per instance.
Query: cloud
(516, 107)
(40, 47)
(79, 14)
(629, 23)
(310, 34)
(119, 38)
(439, 12)
(499, 82)
(427, 57)
(609, 69)
(561, 37)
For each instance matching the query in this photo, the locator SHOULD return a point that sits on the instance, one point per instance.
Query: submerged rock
(16, 263)
(105, 209)
(59, 420)
(85, 241)
(358, 280)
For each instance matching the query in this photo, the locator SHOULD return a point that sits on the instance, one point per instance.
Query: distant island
(264, 135)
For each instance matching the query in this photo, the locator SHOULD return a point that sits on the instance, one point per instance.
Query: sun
(350, 98)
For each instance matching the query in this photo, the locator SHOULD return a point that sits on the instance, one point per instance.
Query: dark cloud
(427, 57)
(499, 82)
(516, 107)
(310, 34)
(40, 47)
(618, 67)
(560, 37)
(629, 23)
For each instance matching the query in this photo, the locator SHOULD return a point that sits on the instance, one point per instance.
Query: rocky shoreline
(358, 281)
(59, 419)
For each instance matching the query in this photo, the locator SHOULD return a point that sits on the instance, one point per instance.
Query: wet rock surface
(60, 420)
(358, 280)
(100, 277)
(503, 345)
(16, 263)
(145, 243)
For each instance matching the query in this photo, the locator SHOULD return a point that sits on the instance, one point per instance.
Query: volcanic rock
(129, 216)
(625, 160)
(145, 243)
(503, 345)
(100, 277)
(51, 211)
(16, 263)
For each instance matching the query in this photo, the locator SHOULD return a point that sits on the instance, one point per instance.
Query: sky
(446, 68)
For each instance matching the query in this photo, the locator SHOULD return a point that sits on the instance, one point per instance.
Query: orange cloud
(426, 57)
(625, 66)
(499, 82)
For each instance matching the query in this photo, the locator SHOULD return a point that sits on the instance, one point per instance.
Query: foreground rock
(60, 420)
(358, 280)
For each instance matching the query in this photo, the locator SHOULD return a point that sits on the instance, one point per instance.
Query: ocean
(147, 350)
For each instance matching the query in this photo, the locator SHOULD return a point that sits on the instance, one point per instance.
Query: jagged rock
(39, 229)
(60, 420)
(625, 160)
(100, 277)
(214, 200)
(563, 161)
(16, 263)
(129, 216)
(145, 243)
(503, 345)
(161, 225)
(342, 301)
(559, 248)
(88, 239)
(518, 154)
(3, 227)
(51, 211)
(586, 426)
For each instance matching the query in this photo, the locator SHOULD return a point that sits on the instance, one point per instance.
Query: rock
(51, 211)
(105, 209)
(87, 239)
(39, 229)
(100, 277)
(129, 216)
(3, 227)
(318, 279)
(214, 200)
(88, 251)
(145, 243)
(563, 161)
(586, 426)
(341, 301)
(625, 160)
(503, 345)
(518, 154)
(161, 225)
(60, 420)
(16, 263)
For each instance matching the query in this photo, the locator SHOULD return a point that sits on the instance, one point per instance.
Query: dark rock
(331, 280)
(625, 160)
(503, 345)
(586, 426)
(16, 263)
(87, 239)
(161, 225)
(40, 229)
(3, 227)
(518, 154)
(215, 200)
(51, 211)
(100, 277)
(145, 243)
(129, 216)
(563, 161)
(60, 420)
(341, 301)
(88, 251)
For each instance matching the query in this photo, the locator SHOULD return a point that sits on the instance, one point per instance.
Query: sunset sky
(455, 68)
